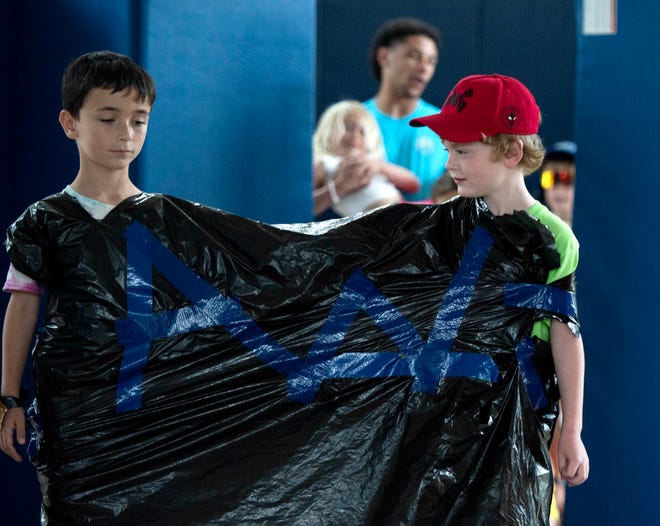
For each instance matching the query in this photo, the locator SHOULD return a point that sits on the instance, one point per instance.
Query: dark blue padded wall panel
(8, 137)
(617, 112)
(233, 121)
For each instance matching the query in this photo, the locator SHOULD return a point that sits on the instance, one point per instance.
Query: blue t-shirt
(418, 149)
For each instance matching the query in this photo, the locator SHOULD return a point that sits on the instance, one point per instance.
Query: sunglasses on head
(550, 178)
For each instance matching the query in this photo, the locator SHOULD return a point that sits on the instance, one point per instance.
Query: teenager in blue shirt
(403, 57)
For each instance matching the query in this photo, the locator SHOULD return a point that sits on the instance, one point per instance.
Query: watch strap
(10, 402)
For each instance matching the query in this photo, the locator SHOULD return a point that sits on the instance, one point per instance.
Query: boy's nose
(124, 131)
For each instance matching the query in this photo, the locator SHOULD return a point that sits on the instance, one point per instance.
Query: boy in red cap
(489, 125)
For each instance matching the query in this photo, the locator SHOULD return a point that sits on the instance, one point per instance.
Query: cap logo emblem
(458, 99)
(511, 115)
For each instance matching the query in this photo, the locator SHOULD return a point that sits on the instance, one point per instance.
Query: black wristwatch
(7, 403)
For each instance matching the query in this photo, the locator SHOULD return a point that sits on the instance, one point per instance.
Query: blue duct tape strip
(540, 297)
(533, 384)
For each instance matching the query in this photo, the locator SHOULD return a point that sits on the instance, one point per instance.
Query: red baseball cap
(484, 105)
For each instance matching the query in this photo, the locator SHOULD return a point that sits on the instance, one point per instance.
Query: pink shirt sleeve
(18, 282)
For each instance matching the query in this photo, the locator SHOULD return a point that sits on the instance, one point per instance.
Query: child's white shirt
(379, 189)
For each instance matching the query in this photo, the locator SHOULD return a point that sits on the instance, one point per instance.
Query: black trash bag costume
(200, 368)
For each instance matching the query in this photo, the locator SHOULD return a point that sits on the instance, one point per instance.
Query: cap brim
(448, 128)
(419, 121)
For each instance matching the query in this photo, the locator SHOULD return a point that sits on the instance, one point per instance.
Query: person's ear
(68, 124)
(381, 55)
(514, 153)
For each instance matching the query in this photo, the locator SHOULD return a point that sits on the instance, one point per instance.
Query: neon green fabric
(568, 248)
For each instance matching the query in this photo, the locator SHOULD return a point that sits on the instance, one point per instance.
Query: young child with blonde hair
(348, 142)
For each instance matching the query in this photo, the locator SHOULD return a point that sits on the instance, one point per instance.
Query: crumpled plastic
(200, 368)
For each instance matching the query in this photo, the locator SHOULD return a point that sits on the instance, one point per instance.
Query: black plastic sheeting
(199, 368)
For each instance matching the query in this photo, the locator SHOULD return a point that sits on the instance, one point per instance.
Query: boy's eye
(107, 120)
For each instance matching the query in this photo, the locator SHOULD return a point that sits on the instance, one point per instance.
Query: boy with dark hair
(106, 102)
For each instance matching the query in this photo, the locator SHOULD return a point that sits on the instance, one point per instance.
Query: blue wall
(616, 220)
(233, 119)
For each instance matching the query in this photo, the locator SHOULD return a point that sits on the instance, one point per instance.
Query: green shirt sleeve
(568, 248)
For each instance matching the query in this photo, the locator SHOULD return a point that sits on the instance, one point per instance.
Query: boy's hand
(13, 423)
(573, 459)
